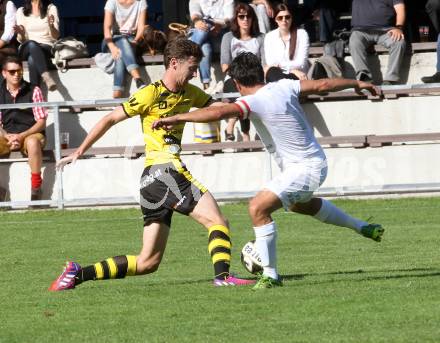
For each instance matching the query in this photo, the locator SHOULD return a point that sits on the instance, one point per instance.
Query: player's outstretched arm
(203, 115)
(333, 85)
(97, 132)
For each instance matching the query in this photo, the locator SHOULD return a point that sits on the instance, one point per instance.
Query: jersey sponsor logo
(133, 102)
(180, 202)
(169, 139)
(147, 179)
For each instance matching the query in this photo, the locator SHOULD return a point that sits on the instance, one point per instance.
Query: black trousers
(433, 10)
(38, 56)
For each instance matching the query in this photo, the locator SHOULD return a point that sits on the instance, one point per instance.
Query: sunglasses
(15, 71)
(283, 17)
(243, 16)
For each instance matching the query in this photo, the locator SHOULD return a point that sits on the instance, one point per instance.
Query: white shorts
(298, 181)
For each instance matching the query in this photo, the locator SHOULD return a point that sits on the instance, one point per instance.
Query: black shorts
(165, 188)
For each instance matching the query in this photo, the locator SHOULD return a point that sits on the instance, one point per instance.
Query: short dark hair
(246, 69)
(12, 59)
(181, 49)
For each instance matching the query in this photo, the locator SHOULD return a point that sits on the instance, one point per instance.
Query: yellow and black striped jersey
(155, 101)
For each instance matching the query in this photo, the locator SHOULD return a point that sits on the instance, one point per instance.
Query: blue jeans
(127, 60)
(202, 39)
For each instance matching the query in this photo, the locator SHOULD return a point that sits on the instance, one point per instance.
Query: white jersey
(281, 123)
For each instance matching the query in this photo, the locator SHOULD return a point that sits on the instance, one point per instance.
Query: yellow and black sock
(112, 268)
(219, 248)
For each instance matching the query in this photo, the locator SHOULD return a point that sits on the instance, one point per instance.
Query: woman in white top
(37, 30)
(286, 48)
(124, 22)
(244, 36)
(7, 23)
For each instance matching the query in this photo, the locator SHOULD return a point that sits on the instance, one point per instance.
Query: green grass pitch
(338, 286)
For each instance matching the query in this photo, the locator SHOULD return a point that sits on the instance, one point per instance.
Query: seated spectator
(244, 36)
(378, 22)
(7, 23)
(329, 11)
(211, 19)
(433, 9)
(286, 48)
(124, 22)
(37, 30)
(24, 126)
(264, 11)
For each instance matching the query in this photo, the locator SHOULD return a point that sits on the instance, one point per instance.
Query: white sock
(330, 214)
(265, 243)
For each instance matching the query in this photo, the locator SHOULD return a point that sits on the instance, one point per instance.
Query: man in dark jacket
(24, 127)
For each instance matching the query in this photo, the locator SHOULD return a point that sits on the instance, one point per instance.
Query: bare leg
(155, 240)
(207, 212)
(33, 148)
(117, 94)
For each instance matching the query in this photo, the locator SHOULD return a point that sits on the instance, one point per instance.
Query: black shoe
(139, 83)
(390, 83)
(36, 194)
(431, 79)
(364, 77)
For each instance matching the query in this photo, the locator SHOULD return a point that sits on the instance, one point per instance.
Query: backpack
(66, 49)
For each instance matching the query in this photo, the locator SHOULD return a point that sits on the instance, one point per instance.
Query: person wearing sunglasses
(244, 36)
(264, 11)
(286, 48)
(24, 126)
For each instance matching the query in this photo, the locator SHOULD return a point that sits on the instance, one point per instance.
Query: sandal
(229, 136)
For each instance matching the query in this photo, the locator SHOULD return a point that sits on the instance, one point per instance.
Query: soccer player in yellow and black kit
(166, 185)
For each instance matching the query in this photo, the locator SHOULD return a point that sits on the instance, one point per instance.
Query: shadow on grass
(390, 274)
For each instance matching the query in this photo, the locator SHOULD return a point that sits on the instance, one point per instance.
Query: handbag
(66, 49)
(105, 62)
(177, 30)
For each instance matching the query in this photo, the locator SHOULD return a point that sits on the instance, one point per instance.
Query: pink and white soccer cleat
(232, 281)
(67, 278)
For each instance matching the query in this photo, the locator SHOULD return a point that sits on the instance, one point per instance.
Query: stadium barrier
(355, 141)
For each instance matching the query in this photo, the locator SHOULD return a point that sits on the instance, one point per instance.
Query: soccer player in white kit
(280, 121)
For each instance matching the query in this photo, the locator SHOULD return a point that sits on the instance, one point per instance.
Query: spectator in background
(24, 127)
(286, 48)
(378, 22)
(264, 11)
(211, 19)
(124, 22)
(37, 30)
(329, 11)
(433, 10)
(7, 23)
(244, 36)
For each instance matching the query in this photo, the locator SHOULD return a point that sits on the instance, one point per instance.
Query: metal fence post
(59, 174)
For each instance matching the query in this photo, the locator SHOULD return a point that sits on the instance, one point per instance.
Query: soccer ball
(250, 259)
